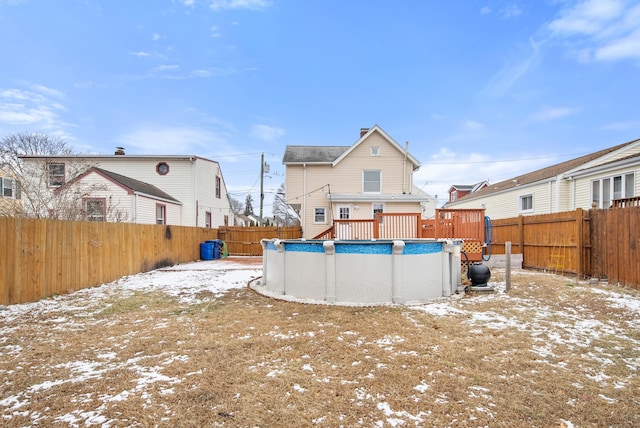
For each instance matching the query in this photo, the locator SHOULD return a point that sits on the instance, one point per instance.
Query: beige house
(10, 200)
(192, 188)
(375, 174)
(593, 180)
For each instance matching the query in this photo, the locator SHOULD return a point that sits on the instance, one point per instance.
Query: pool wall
(366, 272)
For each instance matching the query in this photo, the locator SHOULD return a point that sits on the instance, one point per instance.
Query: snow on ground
(187, 282)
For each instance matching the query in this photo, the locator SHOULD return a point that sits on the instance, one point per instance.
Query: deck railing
(626, 202)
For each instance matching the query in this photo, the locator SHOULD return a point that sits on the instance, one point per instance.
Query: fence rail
(40, 258)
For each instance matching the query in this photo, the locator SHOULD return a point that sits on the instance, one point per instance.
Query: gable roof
(376, 128)
(545, 173)
(128, 183)
(334, 154)
(468, 187)
(312, 154)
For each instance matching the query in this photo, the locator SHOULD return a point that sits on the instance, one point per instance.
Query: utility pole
(261, 185)
(264, 168)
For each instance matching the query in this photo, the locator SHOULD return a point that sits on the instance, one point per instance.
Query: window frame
(161, 219)
(51, 175)
(13, 188)
(162, 168)
(316, 213)
(90, 216)
(207, 219)
(521, 201)
(365, 181)
(374, 151)
(603, 189)
(348, 209)
(218, 187)
(375, 208)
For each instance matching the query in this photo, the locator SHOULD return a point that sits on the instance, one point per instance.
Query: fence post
(579, 242)
(507, 274)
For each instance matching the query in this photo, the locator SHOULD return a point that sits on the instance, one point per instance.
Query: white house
(193, 187)
(592, 180)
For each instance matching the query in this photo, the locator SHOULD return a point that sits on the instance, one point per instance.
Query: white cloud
(599, 30)
(266, 132)
(239, 4)
(166, 67)
(510, 11)
(472, 125)
(36, 107)
(621, 48)
(485, 10)
(158, 139)
(140, 54)
(513, 70)
(552, 113)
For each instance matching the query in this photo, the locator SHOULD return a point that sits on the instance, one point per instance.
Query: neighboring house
(10, 200)
(458, 191)
(375, 174)
(590, 181)
(194, 183)
(115, 197)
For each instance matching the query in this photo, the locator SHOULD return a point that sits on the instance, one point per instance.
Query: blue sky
(481, 89)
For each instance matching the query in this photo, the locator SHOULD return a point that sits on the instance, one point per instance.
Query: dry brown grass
(550, 351)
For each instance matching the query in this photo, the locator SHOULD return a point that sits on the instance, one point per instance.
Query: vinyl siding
(346, 177)
(583, 184)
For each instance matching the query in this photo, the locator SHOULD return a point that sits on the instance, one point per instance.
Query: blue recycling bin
(217, 247)
(206, 250)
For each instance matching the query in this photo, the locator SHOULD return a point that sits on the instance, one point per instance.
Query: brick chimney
(119, 151)
(363, 131)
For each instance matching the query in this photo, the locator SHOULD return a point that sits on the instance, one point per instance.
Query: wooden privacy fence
(40, 258)
(603, 244)
(245, 241)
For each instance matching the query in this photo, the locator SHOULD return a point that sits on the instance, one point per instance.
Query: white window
(377, 208)
(320, 215)
(56, 174)
(371, 181)
(161, 214)
(95, 209)
(344, 212)
(8, 188)
(604, 190)
(526, 203)
(207, 219)
(374, 151)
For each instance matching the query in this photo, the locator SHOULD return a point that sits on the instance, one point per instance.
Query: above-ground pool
(362, 272)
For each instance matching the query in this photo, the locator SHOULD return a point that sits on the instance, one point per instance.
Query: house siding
(190, 180)
(309, 185)
(583, 184)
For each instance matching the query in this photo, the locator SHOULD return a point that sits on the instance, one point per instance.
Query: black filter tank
(479, 274)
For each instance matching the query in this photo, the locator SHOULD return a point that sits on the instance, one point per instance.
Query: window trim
(218, 187)
(521, 200)
(610, 192)
(50, 175)
(324, 215)
(163, 210)
(162, 168)
(4, 187)
(91, 217)
(349, 209)
(374, 151)
(379, 171)
(207, 219)
(373, 210)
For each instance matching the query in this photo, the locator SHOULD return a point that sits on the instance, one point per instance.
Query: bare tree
(236, 206)
(40, 197)
(283, 213)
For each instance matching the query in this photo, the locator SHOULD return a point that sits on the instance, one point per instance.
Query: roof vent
(119, 151)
